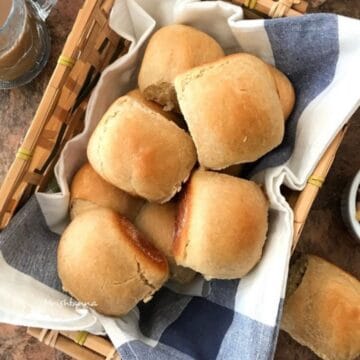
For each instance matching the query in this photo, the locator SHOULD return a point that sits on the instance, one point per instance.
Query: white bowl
(348, 207)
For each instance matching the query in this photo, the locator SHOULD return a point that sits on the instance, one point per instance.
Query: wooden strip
(100, 43)
(11, 206)
(68, 347)
(264, 6)
(72, 89)
(100, 17)
(75, 126)
(10, 186)
(96, 34)
(250, 14)
(307, 196)
(93, 58)
(61, 114)
(106, 6)
(77, 33)
(33, 178)
(302, 7)
(96, 343)
(49, 134)
(111, 35)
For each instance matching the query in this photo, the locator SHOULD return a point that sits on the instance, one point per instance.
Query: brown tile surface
(15, 344)
(324, 233)
(343, 7)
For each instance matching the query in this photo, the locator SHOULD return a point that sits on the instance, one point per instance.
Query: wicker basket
(90, 47)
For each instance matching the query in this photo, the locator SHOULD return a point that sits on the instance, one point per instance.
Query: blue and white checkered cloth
(236, 319)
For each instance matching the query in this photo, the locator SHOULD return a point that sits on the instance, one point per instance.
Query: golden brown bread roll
(157, 223)
(103, 258)
(89, 190)
(285, 90)
(221, 225)
(172, 50)
(322, 309)
(232, 109)
(141, 152)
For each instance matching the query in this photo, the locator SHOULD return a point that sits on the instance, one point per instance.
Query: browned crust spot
(139, 241)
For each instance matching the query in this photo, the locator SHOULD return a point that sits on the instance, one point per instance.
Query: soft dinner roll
(221, 225)
(89, 190)
(140, 151)
(232, 110)
(285, 90)
(156, 107)
(157, 222)
(103, 258)
(322, 309)
(172, 50)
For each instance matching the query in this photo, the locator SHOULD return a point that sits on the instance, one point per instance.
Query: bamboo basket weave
(90, 47)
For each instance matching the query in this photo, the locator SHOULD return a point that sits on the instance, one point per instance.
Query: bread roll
(172, 50)
(221, 225)
(103, 258)
(89, 190)
(157, 222)
(285, 91)
(322, 309)
(139, 151)
(232, 109)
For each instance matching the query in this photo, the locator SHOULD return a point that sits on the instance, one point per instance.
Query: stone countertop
(324, 233)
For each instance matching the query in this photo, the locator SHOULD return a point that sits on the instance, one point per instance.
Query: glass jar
(24, 40)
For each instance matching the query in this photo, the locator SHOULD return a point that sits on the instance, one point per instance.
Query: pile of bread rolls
(196, 117)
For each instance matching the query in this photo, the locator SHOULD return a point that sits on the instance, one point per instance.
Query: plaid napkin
(236, 319)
